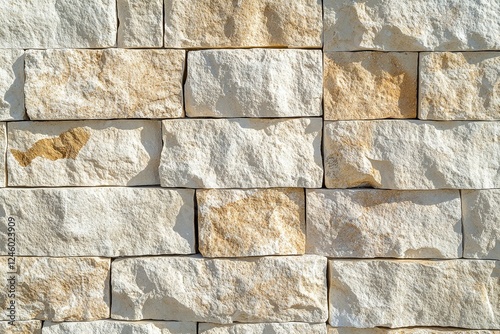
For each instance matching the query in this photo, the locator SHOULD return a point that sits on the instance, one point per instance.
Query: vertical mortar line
(462, 223)
(183, 83)
(418, 85)
(110, 294)
(163, 24)
(322, 134)
(196, 225)
(117, 23)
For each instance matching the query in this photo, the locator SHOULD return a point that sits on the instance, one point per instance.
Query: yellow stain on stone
(66, 146)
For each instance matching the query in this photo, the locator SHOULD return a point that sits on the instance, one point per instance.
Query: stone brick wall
(250, 166)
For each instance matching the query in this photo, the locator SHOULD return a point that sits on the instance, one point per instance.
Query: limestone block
(370, 85)
(384, 223)
(254, 83)
(11, 85)
(428, 330)
(241, 153)
(269, 328)
(21, 327)
(85, 153)
(236, 223)
(108, 222)
(460, 86)
(100, 84)
(112, 326)
(268, 289)
(412, 154)
(141, 23)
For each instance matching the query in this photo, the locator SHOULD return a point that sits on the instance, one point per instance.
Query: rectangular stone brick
(392, 293)
(231, 221)
(370, 85)
(11, 85)
(254, 83)
(424, 330)
(459, 86)
(241, 153)
(3, 149)
(268, 289)
(108, 222)
(412, 154)
(269, 328)
(57, 289)
(113, 326)
(21, 327)
(370, 223)
(100, 84)
(28, 24)
(417, 25)
(481, 221)
(85, 153)
(141, 23)
(258, 23)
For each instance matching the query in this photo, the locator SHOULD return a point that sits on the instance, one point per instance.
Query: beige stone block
(141, 23)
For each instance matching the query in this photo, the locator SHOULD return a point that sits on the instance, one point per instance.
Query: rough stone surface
(215, 23)
(429, 330)
(141, 23)
(456, 86)
(241, 153)
(58, 24)
(100, 84)
(370, 85)
(112, 326)
(11, 85)
(391, 293)
(384, 223)
(58, 289)
(270, 328)
(481, 221)
(254, 83)
(235, 223)
(412, 154)
(3, 148)
(107, 222)
(86, 153)
(268, 289)
(21, 327)
(417, 25)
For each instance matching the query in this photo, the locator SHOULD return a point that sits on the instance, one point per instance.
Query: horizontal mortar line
(174, 48)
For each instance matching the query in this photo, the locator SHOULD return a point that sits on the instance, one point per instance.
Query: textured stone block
(3, 148)
(481, 221)
(108, 222)
(112, 326)
(21, 327)
(391, 293)
(269, 328)
(218, 24)
(100, 84)
(141, 23)
(254, 83)
(370, 85)
(235, 223)
(241, 153)
(11, 85)
(58, 289)
(268, 289)
(86, 153)
(459, 86)
(39, 24)
(417, 25)
(384, 223)
(412, 154)
(429, 330)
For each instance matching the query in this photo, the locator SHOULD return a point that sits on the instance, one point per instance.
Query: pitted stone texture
(219, 24)
(236, 223)
(39, 24)
(370, 85)
(3, 148)
(112, 326)
(429, 330)
(85, 153)
(268, 289)
(107, 222)
(384, 223)
(270, 328)
(481, 221)
(100, 84)
(241, 153)
(58, 289)
(412, 154)
(21, 327)
(141, 23)
(417, 25)
(392, 293)
(460, 86)
(254, 83)
(11, 85)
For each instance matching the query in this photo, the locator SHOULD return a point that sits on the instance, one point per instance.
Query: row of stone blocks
(344, 25)
(121, 83)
